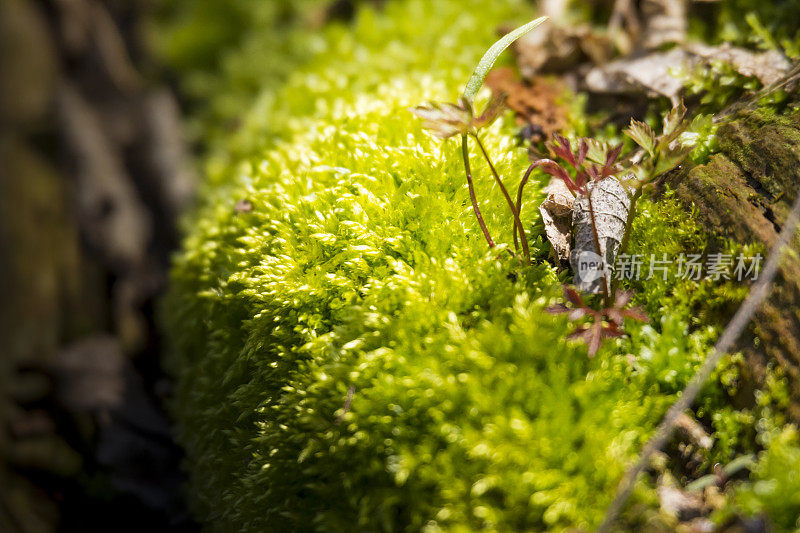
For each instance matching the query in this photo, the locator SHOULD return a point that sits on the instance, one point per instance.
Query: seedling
(604, 323)
(447, 119)
(591, 163)
(582, 169)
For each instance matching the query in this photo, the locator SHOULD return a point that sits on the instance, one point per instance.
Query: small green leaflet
(642, 135)
(491, 55)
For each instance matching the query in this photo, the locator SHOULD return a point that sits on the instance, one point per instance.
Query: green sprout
(590, 163)
(447, 119)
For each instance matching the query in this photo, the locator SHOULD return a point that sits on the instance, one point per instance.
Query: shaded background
(95, 171)
(97, 161)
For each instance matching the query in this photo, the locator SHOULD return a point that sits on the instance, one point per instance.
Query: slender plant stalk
(758, 293)
(472, 197)
(628, 223)
(525, 250)
(519, 200)
(606, 292)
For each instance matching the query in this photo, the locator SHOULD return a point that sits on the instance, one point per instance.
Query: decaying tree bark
(744, 193)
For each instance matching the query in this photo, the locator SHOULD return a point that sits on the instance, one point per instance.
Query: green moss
(765, 145)
(228, 52)
(774, 488)
(754, 24)
(361, 268)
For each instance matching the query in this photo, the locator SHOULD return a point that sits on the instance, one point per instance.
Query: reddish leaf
(557, 171)
(636, 313)
(573, 296)
(583, 149)
(561, 147)
(614, 315)
(579, 333)
(578, 313)
(594, 338)
(612, 330)
(622, 298)
(594, 173)
(605, 323)
(612, 155)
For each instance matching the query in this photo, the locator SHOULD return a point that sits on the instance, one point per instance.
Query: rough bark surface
(611, 203)
(744, 193)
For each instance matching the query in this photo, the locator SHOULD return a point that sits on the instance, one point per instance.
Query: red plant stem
(519, 198)
(475, 208)
(523, 238)
(606, 292)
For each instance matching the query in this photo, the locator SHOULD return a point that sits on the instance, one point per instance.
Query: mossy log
(744, 193)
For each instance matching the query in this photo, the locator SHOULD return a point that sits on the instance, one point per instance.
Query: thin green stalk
(475, 208)
(525, 250)
(623, 245)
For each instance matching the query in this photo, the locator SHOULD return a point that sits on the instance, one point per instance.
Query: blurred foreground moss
(775, 489)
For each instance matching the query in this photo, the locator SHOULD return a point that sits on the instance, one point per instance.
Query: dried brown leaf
(611, 202)
(556, 211)
(536, 104)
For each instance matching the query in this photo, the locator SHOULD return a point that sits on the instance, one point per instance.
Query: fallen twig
(755, 298)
